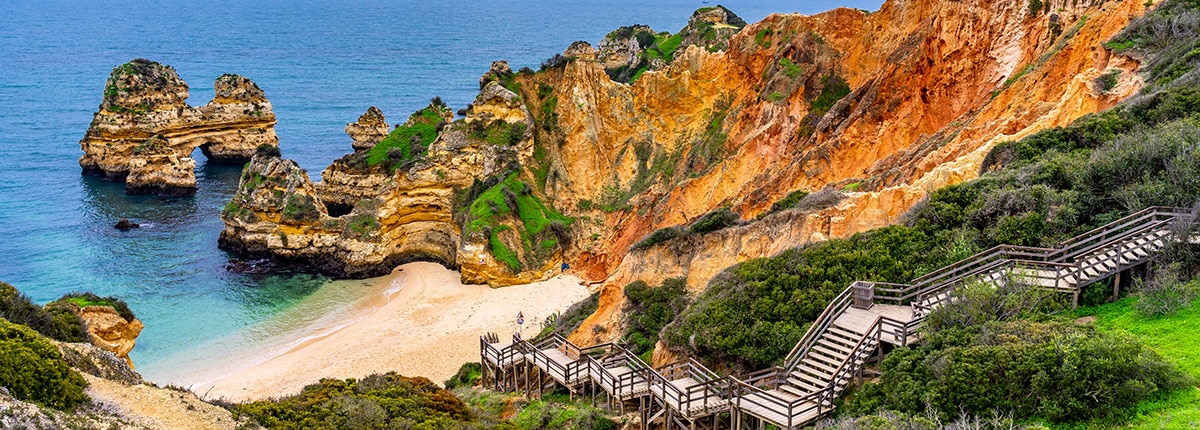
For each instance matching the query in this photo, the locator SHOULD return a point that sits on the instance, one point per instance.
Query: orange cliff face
(929, 87)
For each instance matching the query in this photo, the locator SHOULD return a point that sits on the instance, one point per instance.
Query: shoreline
(425, 323)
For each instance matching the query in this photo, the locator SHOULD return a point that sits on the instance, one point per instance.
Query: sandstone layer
(383, 206)
(110, 331)
(145, 133)
(581, 160)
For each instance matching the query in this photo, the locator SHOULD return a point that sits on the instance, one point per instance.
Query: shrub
(573, 317)
(1166, 292)
(1057, 371)
(267, 150)
(468, 376)
(90, 299)
(300, 208)
(33, 370)
(56, 321)
(791, 200)
(376, 401)
(650, 309)
(658, 236)
(713, 221)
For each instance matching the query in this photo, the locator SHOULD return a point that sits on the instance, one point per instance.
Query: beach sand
(429, 325)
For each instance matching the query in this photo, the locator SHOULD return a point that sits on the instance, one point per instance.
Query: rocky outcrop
(110, 331)
(144, 132)
(885, 106)
(392, 206)
(368, 130)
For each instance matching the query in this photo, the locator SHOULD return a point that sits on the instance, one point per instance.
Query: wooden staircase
(833, 351)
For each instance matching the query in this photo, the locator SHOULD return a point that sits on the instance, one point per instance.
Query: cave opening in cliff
(337, 210)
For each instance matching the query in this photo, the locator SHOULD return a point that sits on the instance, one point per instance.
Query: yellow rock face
(110, 332)
(933, 86)
(144, 99)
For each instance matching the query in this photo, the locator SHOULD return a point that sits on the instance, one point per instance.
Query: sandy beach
(428, 325)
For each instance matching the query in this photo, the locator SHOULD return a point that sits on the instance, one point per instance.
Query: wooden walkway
(835, 348)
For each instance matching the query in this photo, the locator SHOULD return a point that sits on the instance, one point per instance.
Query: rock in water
(111, 332)
(124, 224)
(369, 130)
(145, 133)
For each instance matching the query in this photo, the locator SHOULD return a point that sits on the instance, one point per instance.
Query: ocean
(321, 63)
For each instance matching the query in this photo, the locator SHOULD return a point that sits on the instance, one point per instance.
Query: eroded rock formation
(368, 130)
(110, 331)
(580, 161)
(145, 133)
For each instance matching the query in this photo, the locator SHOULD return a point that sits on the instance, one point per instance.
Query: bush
(1057, 371)
(90, 299)
(300, 208)
(56, 321)
(468, 376)
(658, 236)
(713, 221)
(269, 151)
(573, 317)
(376, 401)
(33, 370)
(650, 309)
(791, 200)
(1166, 292)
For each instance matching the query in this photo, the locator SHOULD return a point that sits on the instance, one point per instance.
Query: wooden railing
(1061, 268)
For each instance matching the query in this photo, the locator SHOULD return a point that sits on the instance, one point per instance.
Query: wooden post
(1116, 287)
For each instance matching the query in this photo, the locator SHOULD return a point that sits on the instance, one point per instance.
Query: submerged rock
(125, 225)
(144, 132)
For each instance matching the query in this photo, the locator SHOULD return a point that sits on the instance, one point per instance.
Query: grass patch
(834, 88)
(408, 141)
(790, 69)
(513, 198)
(1176, 336)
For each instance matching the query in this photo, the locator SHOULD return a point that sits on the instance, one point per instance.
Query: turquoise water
(320, 62)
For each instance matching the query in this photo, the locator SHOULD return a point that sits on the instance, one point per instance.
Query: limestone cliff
(145, 133)
(395, 202)
(884, 106)
(583, 159)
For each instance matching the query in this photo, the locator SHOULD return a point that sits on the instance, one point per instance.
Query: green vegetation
(550, 411)
(710, 147)
(363, 225)
(713, 221)
(269, 151)
(776, 97)
(33, 370)
(763, 37)
(410, 140)
(658, 236)
(556, 411)
(833, 89)
(790, 69)
(376, 401)
(791, 200)
(467, 376)
(649, 309)
(55, 321)
(300, 208)
(90, 299)
(509, 199)
(1108, 80)
(1165, 40)
(1056, 371)
(1035, 7)
(499, 132)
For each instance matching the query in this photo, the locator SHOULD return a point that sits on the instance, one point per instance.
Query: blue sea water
(321, 63)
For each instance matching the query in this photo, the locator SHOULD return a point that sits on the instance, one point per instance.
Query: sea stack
(144, 132)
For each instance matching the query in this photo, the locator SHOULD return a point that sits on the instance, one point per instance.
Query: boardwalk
(832, 353)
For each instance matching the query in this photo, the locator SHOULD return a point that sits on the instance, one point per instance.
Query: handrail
(1050, 265)
(819, 326)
